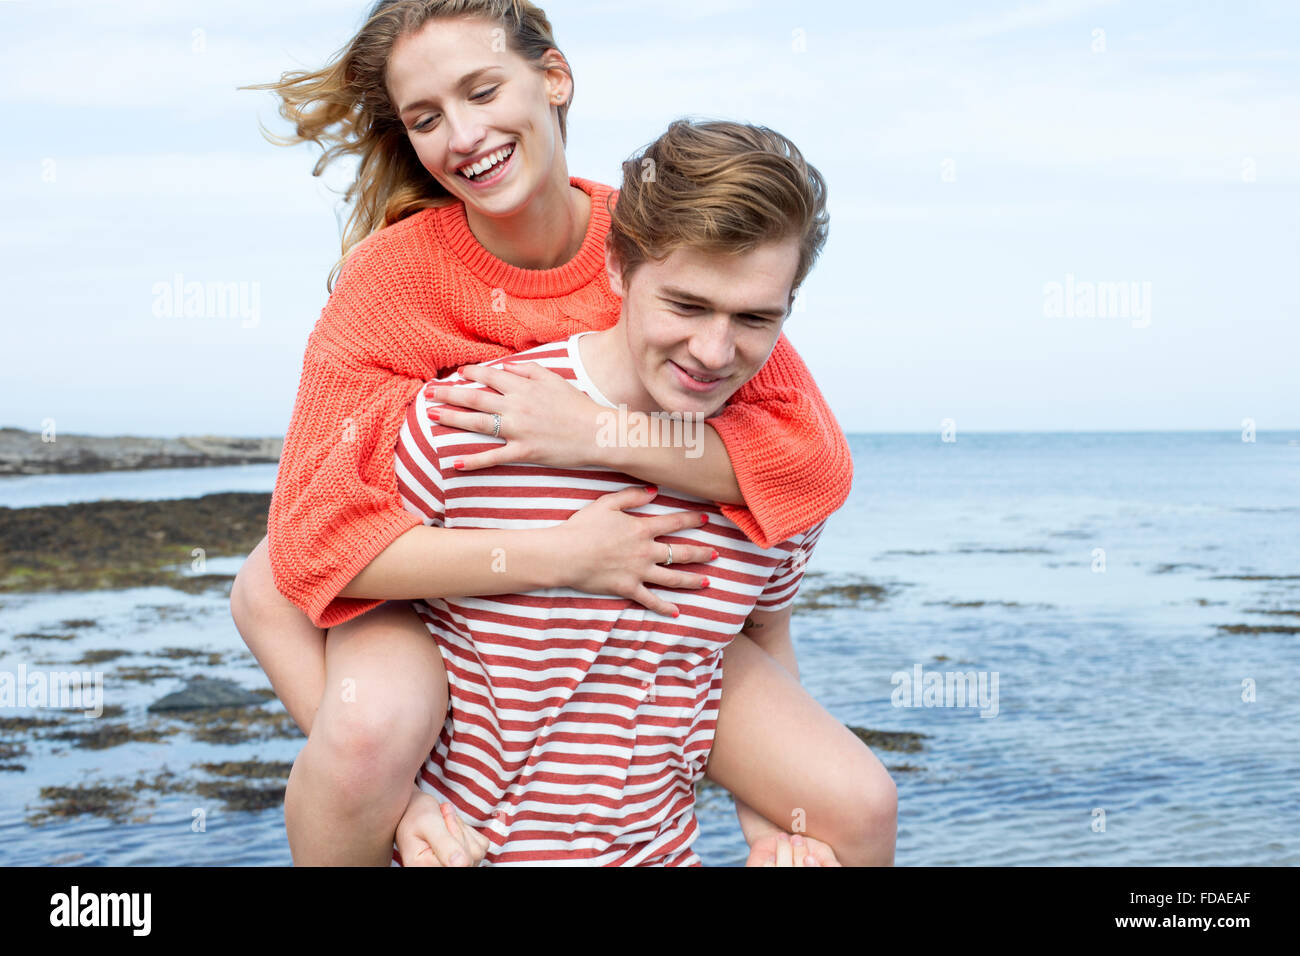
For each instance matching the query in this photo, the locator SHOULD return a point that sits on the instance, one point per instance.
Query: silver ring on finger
(670, 554)
(496, 424)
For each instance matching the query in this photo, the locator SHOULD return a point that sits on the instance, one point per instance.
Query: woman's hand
(604, 550)
(544, 419)
(780, 849)
(433, 835)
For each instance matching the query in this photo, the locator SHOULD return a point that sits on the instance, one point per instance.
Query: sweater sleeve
(336, 505)
(791, 458)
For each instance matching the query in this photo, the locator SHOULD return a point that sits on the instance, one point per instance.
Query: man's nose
(713, 345)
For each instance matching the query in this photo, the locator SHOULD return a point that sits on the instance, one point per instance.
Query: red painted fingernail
(652, 489)
(714, 556)
(704, 520)
(676, 612)
(705, 584)
(458, 463)
(433, 413)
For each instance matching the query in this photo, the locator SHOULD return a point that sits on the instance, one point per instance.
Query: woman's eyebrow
(469, 79)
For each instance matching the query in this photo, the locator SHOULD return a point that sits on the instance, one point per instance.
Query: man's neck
(545, 234)
(608, 362)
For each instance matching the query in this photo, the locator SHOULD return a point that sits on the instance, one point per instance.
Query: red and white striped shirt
(577, 725)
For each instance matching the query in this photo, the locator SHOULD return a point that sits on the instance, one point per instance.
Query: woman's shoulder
(406, 240)
(399, 259)
(602, 195)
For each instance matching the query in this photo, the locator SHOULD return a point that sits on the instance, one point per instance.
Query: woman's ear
(559, 79)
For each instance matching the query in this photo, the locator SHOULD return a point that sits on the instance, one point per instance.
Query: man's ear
(614, 271)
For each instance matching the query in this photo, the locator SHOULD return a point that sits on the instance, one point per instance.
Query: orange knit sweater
(422, 297)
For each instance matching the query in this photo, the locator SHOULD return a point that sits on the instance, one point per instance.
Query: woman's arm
(700, 466)
(774, 457)
(600, 549)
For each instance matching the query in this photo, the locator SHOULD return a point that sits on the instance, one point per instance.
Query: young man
(578, 726)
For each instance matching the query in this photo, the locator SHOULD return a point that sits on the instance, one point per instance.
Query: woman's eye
(484, 94)
(423, 124)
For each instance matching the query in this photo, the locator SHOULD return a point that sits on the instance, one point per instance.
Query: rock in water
(202, 692)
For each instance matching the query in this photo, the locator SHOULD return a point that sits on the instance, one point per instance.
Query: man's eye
(685, 306)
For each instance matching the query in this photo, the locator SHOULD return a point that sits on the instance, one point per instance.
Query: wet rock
(255, 769)
(101, 736)
(895, 740)
(113, 803)
(101, 656)
(10, 750)
(238, 725)
(1258, 629)
(143, 674)
(817, 594)
(241, 797)
(203, 693)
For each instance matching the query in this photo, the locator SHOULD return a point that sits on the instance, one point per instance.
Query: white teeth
(487, 162)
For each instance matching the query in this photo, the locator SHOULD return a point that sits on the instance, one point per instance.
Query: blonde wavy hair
(345, 108)
(721, 187)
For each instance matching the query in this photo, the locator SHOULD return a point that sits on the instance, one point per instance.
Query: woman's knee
(371, 739)
(253, 595)
(386, 691)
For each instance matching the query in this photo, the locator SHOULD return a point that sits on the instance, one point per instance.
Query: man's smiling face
(699, 325)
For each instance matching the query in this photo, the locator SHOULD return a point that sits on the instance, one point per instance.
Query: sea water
(1092, 575)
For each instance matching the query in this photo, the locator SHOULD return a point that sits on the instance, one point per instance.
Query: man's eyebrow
(671, 292)
(469, 79)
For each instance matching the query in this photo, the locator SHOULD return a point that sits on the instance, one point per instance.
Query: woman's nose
(464, 134)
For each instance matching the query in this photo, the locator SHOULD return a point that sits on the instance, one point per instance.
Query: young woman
(456, 111)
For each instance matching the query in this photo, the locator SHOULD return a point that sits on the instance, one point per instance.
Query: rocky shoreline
(29, 453)
(120, 544)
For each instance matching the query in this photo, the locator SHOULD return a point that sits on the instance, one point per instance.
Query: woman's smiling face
(467, 100)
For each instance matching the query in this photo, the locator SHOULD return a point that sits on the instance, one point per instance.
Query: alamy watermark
(1098, 300)
(62, 690)
(921, 688)
(179, 299)
(624, 429)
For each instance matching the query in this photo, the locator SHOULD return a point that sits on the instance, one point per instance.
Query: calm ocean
(1119, 588)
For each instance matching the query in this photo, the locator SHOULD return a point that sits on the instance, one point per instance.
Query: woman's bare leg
(384, 705)
(782, 753)
(290, 648)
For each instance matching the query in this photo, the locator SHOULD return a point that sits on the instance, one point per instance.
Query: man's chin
(684, 408)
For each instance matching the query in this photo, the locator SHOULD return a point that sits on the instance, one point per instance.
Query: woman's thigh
(786, 756)
(385, 683)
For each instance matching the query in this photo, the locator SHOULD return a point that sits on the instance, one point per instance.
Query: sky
(997, 173)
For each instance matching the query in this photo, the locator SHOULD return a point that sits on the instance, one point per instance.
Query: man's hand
(433, 835)
(780, 849)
